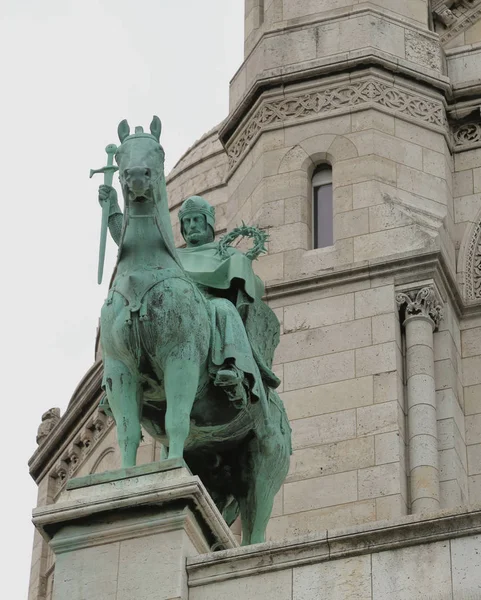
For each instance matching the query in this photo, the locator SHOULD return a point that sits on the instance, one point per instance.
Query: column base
(126, 534)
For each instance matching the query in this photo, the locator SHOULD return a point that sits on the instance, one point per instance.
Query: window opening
(323, 215)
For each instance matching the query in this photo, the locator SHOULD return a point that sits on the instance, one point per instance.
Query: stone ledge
(404, 268)
(330, 545)
(153, 522)
(146, 486)
(112, 476)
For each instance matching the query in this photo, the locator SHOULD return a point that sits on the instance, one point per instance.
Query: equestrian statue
(187, 341)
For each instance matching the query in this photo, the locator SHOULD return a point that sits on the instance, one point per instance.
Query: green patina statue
(188, 343)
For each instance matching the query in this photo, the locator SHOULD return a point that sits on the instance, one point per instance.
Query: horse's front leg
(181, 380)
(123, 393)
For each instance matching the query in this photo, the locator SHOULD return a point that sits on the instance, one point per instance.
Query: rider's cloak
(233, 277)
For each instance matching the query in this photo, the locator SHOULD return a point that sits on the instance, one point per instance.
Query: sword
(108, 172)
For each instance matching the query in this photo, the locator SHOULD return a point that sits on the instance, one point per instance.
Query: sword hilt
(110, 168)
(105, 170)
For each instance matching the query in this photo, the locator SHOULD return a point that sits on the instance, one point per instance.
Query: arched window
(323, 218)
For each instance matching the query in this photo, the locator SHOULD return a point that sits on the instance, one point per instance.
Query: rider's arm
(116, 221)
(116, 218)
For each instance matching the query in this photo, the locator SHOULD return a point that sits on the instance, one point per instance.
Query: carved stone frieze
(94, 430)
(421, 302)
(473, 265)
(336, 98)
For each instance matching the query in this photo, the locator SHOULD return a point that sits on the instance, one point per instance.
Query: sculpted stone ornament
(188, 343)
(48, 424)
(421, 302)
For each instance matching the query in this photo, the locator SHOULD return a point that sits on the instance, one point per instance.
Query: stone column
(422, 316)
(126, 534)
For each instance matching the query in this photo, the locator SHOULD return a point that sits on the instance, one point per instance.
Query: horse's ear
(156, 128)
(123, 130)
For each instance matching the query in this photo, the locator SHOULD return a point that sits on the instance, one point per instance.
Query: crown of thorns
(259, 236)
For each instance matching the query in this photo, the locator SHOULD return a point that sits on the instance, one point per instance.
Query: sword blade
(103, 240)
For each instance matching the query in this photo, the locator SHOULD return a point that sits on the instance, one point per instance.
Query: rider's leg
(123, 393)
(181, 380)
(231, 350)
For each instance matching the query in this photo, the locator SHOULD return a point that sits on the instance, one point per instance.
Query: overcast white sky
(70, 70)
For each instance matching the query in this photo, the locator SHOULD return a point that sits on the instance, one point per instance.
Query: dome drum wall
(201, 171)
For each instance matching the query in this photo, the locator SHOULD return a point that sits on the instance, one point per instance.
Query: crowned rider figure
(242, 346)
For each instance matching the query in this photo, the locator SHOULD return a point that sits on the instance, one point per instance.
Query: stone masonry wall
(450, 411)
(427, 558)
(471, 352)
(341, 366)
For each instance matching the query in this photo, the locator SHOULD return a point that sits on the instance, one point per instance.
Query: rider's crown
(197, 204)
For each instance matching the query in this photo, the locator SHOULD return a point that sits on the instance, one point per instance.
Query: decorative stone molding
(342, 97)
(48, 424)
(94, 430)
(421, 302)
(456, 16)
(443, 13)
(467, 136)
(473, 265)
(422, 50)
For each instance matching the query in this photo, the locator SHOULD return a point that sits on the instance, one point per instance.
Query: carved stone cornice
(75, 454)
(456, 16)
(85, 401)
(421, 302)
(339, 97)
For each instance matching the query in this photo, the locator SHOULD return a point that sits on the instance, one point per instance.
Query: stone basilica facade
(354, 138)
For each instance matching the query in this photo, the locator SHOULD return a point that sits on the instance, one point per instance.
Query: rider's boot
(228, 375)
(231, 378)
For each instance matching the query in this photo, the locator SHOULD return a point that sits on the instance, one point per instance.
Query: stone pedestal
(126, 534)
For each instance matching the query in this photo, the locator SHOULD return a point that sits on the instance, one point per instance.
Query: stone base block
(127, 534)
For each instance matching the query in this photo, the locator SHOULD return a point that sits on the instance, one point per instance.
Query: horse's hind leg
(265, 463)
(123, 393)
(181, 379)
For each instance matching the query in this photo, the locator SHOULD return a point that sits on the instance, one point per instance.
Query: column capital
(423, 302)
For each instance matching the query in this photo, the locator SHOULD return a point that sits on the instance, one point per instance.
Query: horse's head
(141, 161)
